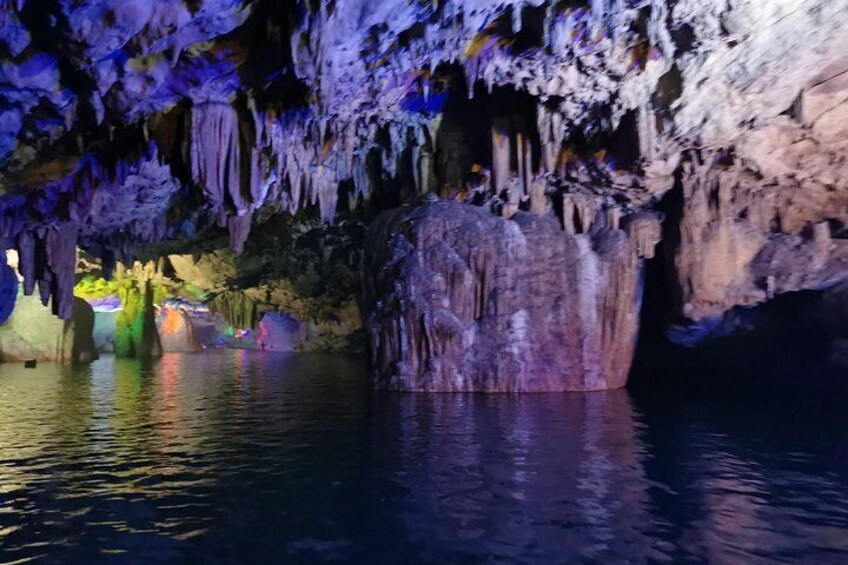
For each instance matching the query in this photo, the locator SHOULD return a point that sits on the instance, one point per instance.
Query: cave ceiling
(127, 124)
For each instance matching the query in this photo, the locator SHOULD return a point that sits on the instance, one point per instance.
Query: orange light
(171, 322)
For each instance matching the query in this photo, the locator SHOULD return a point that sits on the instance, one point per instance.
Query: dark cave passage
(798, 341)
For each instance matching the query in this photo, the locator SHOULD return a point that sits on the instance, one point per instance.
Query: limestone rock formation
(8, 290)
(176, 331)
(34, 332)
(741, 239)
(305, 269)
(280, 332)
(461, 300)
(135, 325)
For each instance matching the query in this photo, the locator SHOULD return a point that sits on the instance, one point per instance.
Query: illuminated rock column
(135, 327)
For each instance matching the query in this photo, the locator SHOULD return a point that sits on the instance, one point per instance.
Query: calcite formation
(135, 325)
(141, 129)
(176, 331)
(741, 240)
(33, 332)
(280, 332)
(464, 301)
(8, 290)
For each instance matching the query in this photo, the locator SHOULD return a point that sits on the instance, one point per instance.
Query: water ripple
(237, 457)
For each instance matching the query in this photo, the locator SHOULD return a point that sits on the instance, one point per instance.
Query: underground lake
(239, 456)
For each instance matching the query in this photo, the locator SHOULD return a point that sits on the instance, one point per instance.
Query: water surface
(235, 456)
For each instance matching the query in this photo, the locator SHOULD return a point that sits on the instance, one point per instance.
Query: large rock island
(462, 300)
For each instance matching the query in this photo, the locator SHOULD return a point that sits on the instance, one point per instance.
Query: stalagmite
(500, 157)
(539, 203)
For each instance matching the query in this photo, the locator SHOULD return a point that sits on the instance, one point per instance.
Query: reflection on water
(233, 456)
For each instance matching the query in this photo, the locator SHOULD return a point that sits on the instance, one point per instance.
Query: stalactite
(239, 229)
(215, 152)
(523, 164)
(644, 231)
(8, 289)
(822, 244)
(552, 134)
(527, 159)
(45, 287)
(500, 157)
(588, 211)
(61, 246)
(236, 308)
(568, 210)
(325, 187)
(26, 261)
(647, 132)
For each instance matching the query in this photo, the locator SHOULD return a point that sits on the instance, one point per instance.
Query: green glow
(135, 325)
(91, 288)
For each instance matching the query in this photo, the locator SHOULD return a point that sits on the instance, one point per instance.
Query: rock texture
(135, 325)
(304, 269)
(742, 239)
(33, 332)
(176, 331)
(8, 290)
(280, 332)
(461, 300)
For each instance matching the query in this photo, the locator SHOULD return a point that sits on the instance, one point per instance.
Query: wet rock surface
(461, 300)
